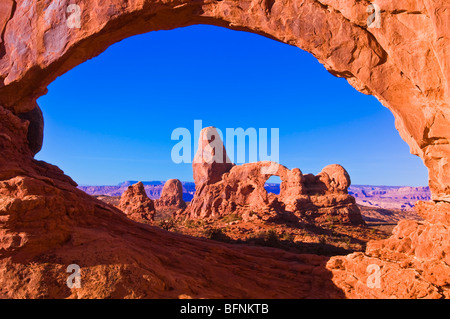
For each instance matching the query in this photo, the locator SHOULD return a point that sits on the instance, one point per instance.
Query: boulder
(35, 134)
(335, 178)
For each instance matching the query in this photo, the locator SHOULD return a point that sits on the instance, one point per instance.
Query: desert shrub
(189, 223)
(332, 219)
(215, 234)
(287, 237)
(231, 218)
(268, 238)
(167, 224)
(322, 240)
(272, 238)
(200, 223)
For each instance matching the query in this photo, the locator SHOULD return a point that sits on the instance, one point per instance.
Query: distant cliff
(152, 188)
(388, 197)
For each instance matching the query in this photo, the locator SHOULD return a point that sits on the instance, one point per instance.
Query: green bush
(272, 238)
(287, 237)
(189, 223)
(167, 224)
(214, 233)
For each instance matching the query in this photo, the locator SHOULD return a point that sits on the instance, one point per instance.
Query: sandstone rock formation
(403, 62)
(240, 189)
(377, 197)
(47, 224)
(171, 195)
(335, 179)
(136, 204)
(211, 160)
(413, 263)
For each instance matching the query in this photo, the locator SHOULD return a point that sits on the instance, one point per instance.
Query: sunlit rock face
(397, 54)
(135, 203)
(171, 195)
(46, 223)
(223, 188)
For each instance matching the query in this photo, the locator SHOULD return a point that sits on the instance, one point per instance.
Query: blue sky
(111, 118)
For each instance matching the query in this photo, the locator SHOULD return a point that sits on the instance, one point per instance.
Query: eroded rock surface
(211, 160)
(47, 224)
(403, 62)
(240, 190)
(136, 204)
(171, 195)
(413, 263)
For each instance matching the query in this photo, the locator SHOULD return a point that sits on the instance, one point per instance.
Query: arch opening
(356, 53)
(273, 184)
(322, 117)
(373, 61)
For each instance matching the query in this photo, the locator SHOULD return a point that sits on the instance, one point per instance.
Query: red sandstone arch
(404, 64)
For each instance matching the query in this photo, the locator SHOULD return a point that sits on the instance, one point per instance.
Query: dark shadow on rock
(121, 258)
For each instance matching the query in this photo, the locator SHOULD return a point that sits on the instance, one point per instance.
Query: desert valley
(320, 221)
(382, 207)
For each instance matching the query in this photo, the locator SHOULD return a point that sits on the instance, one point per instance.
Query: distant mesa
(390, 197)
(130, 183)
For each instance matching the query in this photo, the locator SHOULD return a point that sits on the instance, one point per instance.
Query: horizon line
(163, 181)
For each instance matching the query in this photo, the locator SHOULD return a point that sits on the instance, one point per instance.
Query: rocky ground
(295, 236)
(47, 224)
(329, 238)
